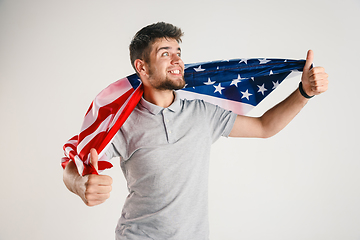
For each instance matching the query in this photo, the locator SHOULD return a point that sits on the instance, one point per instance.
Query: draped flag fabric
(237, 85)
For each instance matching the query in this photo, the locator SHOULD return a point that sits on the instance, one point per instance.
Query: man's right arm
(92, 189)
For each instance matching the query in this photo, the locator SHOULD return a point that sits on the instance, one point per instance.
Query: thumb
(309, 61)
(94, 159)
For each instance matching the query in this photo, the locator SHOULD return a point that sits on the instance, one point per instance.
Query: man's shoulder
(198, 105)
(190, 100)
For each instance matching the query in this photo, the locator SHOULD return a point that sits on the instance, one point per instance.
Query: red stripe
(72, 154)
(74, 138)
(89, 169)
(104, 165)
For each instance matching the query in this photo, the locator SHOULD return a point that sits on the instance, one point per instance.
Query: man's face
(166, 69)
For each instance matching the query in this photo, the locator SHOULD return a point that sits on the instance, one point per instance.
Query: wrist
(303, 93)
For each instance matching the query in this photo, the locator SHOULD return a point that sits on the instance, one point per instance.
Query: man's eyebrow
(167, 48)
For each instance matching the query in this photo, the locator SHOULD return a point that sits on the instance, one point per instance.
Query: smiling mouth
(175, 71)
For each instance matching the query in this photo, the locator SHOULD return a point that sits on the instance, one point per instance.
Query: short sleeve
(111, 152)
(221, 121)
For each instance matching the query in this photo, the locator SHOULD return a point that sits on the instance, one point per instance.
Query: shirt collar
(154, 109)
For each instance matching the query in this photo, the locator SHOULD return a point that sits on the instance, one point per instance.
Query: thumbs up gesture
(94, 189)
(314, 79)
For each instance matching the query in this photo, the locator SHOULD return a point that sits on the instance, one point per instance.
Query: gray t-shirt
(164, 155)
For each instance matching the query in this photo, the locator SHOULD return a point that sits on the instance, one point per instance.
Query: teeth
(175, 71)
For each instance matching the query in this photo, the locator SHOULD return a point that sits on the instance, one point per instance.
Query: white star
(209, 82)
(275, 84)
(252, 78)
(243, 60)
(236, 81)
(262, 89)
(199, 69)
(246, 94)
(263, 61)
(271, 72)
(218, 88)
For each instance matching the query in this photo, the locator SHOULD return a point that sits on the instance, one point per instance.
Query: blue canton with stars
(242, 80)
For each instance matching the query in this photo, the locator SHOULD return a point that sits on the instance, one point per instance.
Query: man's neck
(161, 98)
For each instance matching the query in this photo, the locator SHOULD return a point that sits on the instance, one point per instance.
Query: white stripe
(293, 73)
(113, 92)
(79, 164)
(64, 159)
(68, 150)
(73, 142)
(237, 107)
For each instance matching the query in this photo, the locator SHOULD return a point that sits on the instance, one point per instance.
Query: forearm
(314, 82)
(275, 119)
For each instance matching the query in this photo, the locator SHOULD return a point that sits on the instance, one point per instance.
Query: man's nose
(176, 59)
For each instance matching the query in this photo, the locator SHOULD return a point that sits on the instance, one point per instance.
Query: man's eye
(179, 54)
(165, 54)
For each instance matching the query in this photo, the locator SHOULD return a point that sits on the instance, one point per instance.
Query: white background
(55, 56)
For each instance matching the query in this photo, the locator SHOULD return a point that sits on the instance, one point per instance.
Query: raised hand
(314, 80)
(94, 189)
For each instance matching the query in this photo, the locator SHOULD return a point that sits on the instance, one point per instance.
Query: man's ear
(140, 67)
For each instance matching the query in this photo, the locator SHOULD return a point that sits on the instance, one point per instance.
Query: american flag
(237, 85)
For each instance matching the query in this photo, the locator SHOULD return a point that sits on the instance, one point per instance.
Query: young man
(165, 158)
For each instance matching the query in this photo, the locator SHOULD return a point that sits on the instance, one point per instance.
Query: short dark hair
(140, 46)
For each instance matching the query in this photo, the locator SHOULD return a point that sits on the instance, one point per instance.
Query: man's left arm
(314, 82)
